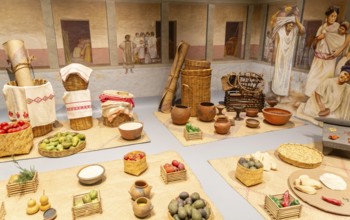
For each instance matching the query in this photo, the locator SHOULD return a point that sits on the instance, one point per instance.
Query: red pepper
(286, 199)
(332, 201)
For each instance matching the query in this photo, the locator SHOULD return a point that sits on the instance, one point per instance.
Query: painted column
(210, 32)
(165, 32)
(263, 23)
(112, 36)
(50, 33)
(248, 32)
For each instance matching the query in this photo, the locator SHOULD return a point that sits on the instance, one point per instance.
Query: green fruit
(251, 163)
(176, 217)
(75, 141)
(46, 141)
(66, 144)
(196, 214)
(69, 137)
(245, 164)
(86, 198)
(81, 136)
(188, 209)
(49, 147)
(42, 145)
(172, 207)
(188, 201)
(93, 194)
(59, 147)
(78, 202)
(61, 139)
(195, 196)
(198, 204)
(208, 211)
(204, 213)
(182, 213)
(184, 195)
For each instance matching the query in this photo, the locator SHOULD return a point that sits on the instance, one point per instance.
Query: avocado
(203, 213)
(188, 209)
(195, 196)
(207, 210)
(184, 195)
(172, 207)
(198, 204)
(196, 214)
(188, 201)
(176, 217)
(182, 213)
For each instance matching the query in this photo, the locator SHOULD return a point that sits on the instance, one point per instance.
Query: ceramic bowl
(272, 102)
(276, 116)
(50, 214)
(130, 130)
(251, 112)
(252, 123)
(91, 174)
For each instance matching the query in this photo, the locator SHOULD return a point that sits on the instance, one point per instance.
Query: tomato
(3, 124)
(11, 130)
(6, 127)
(2, 131)
(21, 122)
(26, 125)
(14, 125)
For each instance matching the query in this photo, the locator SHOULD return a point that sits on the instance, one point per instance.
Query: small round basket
(74, 82)
(276, 116)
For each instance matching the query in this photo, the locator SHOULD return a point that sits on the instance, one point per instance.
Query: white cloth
(33, 103)
(333, 96)
(321, 68)
(284, 61)
(280, 22)
(78, 104)
(83, 71)
(111, 109)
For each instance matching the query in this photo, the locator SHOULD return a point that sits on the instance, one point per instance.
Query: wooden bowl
(252, 123)
(91, 174)
(130, 130)
(276, 116)
(251, 112)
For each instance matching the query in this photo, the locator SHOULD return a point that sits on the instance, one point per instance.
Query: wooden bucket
(196, 64)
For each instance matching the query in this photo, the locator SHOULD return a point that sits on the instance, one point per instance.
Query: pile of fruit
(33, 207)
(90, 197)
(62, 141)
(12, 127)
(134, 155)
(191, 128)
(250, 163)
(187, 206)
(174, 166)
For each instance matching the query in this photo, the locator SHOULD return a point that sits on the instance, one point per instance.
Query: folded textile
(78, 104)
(112, 109)
(33, 103)
(83, 71)
(115, 95)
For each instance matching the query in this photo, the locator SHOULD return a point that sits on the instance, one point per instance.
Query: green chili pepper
(277, 201)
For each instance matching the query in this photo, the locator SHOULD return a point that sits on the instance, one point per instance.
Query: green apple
(86, 198)
(93, 194)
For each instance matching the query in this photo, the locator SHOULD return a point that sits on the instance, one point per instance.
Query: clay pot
(142, 207)
(251, 112)
(180, 114)
(222, 125)
(206, 111)
(276, 116)
(140, 189)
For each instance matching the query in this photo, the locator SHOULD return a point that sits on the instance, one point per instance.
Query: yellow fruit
(31, 203)
(44, 200)
(45, 207)
(33, 209)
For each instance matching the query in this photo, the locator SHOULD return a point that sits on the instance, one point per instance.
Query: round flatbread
(333, 181)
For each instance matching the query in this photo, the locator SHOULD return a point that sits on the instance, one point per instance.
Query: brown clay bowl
(251, 112)
(276, 116)
(272, 102)
(252, 123)
(130, 130)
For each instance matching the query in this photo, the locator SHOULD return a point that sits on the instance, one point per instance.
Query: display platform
(209, 135)
(97, 138)
(61, 185)
(276, 182)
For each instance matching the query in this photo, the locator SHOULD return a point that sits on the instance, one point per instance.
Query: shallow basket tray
(284, 212)
(135, 168)
(193, 136)
(211, 216)
(300, 163)
(14, 189)
(177, 176)
(2, 211)
(87, 208)
(121, 118)
(249, 177)
(20, 142)
(74, 82)
(81, 123)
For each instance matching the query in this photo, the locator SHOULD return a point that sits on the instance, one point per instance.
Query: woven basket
(64, 153)
(121, 118)
(173, 176)
(211, 216)
(135, 167)
(249, 177)
(74, 82)
(87, 208)
(81, 123)
(282, 213)
(20, 142)
(195, 88)
(31, 186)
(196, 64)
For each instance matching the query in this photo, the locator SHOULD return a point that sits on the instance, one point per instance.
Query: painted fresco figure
(345, 48)
(330, 99)
(286, 28)
(327, 41)
(128, 53)
(152, 47)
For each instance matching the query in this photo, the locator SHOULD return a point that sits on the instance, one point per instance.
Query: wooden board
(316, 200)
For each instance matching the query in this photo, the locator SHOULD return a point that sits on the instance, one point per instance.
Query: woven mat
(61, 185)
(97, 138)
(276, 182)
(209, 134)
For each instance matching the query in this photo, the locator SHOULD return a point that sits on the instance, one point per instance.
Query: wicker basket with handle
(195, 88)
(74, 82)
